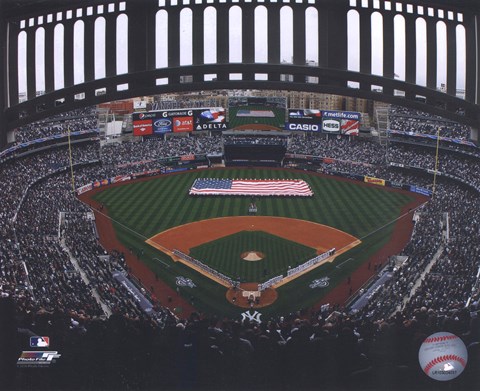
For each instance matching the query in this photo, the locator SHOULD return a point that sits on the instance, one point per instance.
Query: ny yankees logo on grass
(184, 281)
(320, 283)
(255, 317)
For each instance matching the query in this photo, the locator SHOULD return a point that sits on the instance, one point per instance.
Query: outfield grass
(143, 209)
(224, 255)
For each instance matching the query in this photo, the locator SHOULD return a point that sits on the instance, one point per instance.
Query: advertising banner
(120, 178)
(342, 115)
(420, 190)
(307, 120)
(182, 124)
(350, 127)
(142, 128)
(162, 125)
(210, 119)
(374, 181)
(84, 189)
(344, 122)
(331, 125)
(178, 121)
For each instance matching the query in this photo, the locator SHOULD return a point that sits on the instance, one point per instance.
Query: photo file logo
(37, 358)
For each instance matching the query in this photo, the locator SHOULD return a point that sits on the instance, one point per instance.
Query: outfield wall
(300, 158)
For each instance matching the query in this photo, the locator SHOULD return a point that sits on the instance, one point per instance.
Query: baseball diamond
(181, 222)
(114, 276)
(317, 236)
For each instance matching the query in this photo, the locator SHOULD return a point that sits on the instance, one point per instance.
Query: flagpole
(71, 160)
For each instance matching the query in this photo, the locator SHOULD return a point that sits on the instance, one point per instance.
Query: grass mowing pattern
(224, 255)
(278, 121)
(150, 207)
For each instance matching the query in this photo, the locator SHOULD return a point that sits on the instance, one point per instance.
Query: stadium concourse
(57, 280)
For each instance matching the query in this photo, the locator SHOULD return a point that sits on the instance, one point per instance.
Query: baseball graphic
(443, 356)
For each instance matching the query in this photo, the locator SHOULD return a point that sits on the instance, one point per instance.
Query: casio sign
(304, 127)
(331, 125)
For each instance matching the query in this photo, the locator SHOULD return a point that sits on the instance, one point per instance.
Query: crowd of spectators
(301, 349)
(416, 121)
(75, 120)
(152, 149)
(251, 140)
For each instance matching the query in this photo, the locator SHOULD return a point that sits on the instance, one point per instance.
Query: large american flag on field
(251, 187)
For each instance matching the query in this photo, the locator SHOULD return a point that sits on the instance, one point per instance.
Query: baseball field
(153, 217)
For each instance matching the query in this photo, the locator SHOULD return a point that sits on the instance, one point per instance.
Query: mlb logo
(39, 342)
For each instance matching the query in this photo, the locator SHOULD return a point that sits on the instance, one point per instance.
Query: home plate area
(276, 251)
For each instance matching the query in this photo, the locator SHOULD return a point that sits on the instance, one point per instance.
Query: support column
(89, 49)
(223, 44)
(451, 59)
(431, 54)
(337, 35)
(299, 52)
(110, 45)
(365, 45)
(68, 43)
(174, 42)
(410, 50)
(4, 75)
(12, 48)
(323, 35)
(198, 40)
(49, 58)
(31, 82)
(274, 40)
(470, 52)
(248, 39)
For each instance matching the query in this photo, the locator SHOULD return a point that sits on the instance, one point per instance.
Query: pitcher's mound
(252, 256)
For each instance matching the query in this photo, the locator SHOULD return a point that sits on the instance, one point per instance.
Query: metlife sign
(341, 115)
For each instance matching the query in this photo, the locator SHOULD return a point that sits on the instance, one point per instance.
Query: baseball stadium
(239, 195)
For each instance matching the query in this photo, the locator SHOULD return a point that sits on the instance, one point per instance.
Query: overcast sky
(286, 37)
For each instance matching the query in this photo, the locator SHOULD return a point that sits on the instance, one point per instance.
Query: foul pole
(71, 160)
(436, 163)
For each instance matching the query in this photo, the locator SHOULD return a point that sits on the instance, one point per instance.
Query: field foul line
(188, 264)
(159, 260)
(288, 279)
(348, 260)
